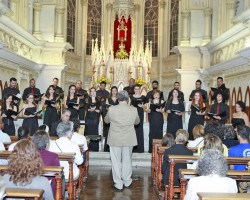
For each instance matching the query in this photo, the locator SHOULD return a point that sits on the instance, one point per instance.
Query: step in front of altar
(103, 159)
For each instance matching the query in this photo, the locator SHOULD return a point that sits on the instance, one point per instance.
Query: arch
(239, 95)
(247, 100)
(232, 102)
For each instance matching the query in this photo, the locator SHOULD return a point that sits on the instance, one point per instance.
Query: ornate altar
(120, 58)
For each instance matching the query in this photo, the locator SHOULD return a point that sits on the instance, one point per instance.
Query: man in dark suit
(82, 94)
(176, 87)
(12, 89)
(221, 87)
(102, 94)
(178, 149)
(130, 87)
(198, 84)
(32, 90)
(150, 93)
(58, 90)
(219, 107)
(64, 118)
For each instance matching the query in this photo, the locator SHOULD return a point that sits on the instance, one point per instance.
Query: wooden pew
(155, 144)
(13, 138)
(35, 194)
(186, 174)
(49, 171)
(174, 159)
(223, 196)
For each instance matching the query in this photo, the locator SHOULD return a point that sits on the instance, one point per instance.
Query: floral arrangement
(139, 81)
(121, 54)
(103, 79)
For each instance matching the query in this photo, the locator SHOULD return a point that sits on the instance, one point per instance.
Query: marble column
(14, 8)
(59, 28)
(37, 20)
(207, 26)
(231, 10)
(185, 24)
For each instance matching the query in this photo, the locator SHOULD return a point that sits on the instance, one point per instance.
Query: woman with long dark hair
(30, 118)
(71, 102)
(92, 118)
(50, 104)
(8, 104)
(197, 110)
(240, 116)
(25, 169)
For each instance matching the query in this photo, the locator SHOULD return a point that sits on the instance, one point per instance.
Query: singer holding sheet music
(138, 101)
(197, 111)
(50, 104)
(175, 109)
(92, 118)
(71, 102)
(219, 110)
(29, 114)
(156, 110)
(8, 104)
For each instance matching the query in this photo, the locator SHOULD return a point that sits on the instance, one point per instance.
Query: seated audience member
(215, 128)
(78, 138)
(242, 149)
(198, 134)
(212, 168)
(25, 169)
(179, 148)
(168, 140)
(22, 133)
(44, 127)
(240, 116)
(41, 140)
(229, 136)
(64, 118)
(64, 145)
(4, 137)
(2, 188)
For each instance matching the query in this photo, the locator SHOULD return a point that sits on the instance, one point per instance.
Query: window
(151, 24)
(174, 23)
(71, 21)
(94, 23)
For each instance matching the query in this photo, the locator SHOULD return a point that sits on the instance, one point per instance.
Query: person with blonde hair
(25, 169)
(179, 148)
(198, 134)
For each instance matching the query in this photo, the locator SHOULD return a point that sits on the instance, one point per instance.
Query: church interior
(116, 40)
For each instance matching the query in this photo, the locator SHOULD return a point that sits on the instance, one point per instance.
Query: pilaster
(37, 20)
(207, 27)
(231, 10)
(59, 25)
(185, 40)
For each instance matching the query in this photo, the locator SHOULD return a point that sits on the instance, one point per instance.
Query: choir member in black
(155, 119)
(102, 94)
(50, 104)
(130, 87)
(240, 116)
(8, 122)
(59, 94)
(71, 102)
(12, 89)
(175, 109)
(30, 119)
(149, 95)
(82, 94)
(92, 118)
(32, 90)
(111, 101)
(219, 107)
(198, 84)
(221, 88)
(177, 87)
(197, 110)
(138, 101)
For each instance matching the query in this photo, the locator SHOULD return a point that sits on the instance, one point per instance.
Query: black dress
(50, 116)
(155, 127)
(193, 121)
(9, 126)
(32, 122)
(174, 121)
(74, 112)
(139, 128)
(105, 134)
(92, 124)
(237, 121)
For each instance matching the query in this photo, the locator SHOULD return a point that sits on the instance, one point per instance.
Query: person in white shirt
(212, 168)
(4, 137)
(22, 133)
(64, 145)
(78, 138)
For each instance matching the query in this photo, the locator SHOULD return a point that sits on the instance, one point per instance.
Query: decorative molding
(60, 10)
(185, 13)
(208, 12)
(37, 6)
